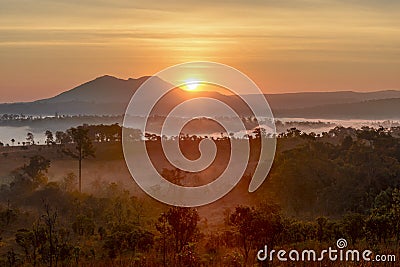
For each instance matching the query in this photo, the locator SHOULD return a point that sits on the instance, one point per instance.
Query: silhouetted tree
(32, 175)
(242, 220)
(181, 225)
(62, 138)
(83, 148)
(49, 137)
(30, 138)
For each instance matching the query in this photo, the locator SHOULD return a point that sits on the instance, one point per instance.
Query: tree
(25, 238)
(32, 175)
(181, 224)
(49, 137)
(242, 220)
(161, 226)
(69, 182)
(36, 169)
(395, 212)
(46, 243)
(62, 138)
(83, 225)
(50, 221)
(127, 237)
(379, 225)
(267, 224)
(8, 216)
(30, 138)
(353, 226)
(83, 148)
(12, 141)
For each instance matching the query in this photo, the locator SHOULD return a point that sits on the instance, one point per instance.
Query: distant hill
(310, 99)
(104, 89)
(105, 95)
(108, 95)
(381, 109)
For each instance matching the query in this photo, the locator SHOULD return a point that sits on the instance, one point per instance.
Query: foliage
(342, 184)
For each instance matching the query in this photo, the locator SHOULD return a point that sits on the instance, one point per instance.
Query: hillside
(381, 109)
(108, 95)
(104, 89)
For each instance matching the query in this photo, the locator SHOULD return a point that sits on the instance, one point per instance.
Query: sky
(50, 46)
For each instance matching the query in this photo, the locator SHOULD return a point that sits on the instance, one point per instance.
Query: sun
(191, 85)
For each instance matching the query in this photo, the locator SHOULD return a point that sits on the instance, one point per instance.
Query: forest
(344, 183)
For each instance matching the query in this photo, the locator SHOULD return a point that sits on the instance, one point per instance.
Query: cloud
(262, 35)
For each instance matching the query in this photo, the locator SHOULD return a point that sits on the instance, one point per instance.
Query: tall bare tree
(83, 148)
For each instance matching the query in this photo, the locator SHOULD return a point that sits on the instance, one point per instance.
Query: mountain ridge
(109, 95)
(103, 84)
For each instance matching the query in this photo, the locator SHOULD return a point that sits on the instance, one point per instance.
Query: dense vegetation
(344, 183)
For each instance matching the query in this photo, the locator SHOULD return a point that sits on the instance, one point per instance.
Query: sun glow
(191, 85)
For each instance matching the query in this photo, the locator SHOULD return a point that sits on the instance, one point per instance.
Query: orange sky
(47, 47)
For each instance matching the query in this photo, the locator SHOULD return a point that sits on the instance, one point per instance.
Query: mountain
(381, 109)
(105, 95)
(310, 99)
(108, 95)
(104, 89)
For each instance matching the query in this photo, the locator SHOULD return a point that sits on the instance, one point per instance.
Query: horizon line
(148, 76)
